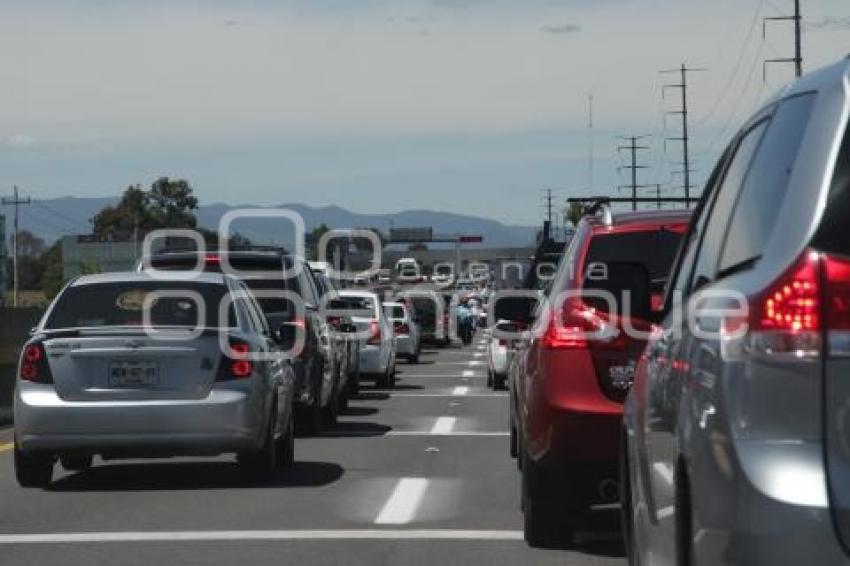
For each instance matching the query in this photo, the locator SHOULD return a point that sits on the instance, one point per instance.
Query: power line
(73, 221)
(738, 63)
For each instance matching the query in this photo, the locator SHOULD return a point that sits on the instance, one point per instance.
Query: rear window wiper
(738, 267)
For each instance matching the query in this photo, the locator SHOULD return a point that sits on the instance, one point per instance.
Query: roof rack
(224, 248)
(594, 205)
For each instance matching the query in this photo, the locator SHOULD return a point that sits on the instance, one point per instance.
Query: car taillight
(212, 259)
(401, 328)
(374, 333)
(806, 305)
(34, 366)
(237, 365)
(578, 328)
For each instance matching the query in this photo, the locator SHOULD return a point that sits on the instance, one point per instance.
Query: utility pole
(797, 18)
(547, 198)
(633, 149)
(658, 195)
(15, 201)
(685, 138)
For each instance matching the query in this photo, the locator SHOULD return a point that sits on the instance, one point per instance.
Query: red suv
(570, 375)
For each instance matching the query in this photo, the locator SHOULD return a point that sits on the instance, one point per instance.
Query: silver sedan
(126, 366)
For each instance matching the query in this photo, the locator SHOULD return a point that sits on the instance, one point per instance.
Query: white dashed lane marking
(401, 507)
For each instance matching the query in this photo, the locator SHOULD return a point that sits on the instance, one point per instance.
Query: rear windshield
(271, 305)
(121, 304)
(356, 306)
(656, 250)
(832, 234)
(394, 312)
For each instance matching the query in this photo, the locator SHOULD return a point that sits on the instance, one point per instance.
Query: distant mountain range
(51, 219)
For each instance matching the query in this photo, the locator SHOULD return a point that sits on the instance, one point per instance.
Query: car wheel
(265, 464)
(354, 383)
(286, 452)
(514, 441)
(627, 507)
(490, 383)
(414, 359)
(331, 410)
(309, 417)
(544, 522)
(75, 462)
(33, 469)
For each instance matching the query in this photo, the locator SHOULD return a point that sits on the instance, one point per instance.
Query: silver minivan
(737, 429)
(124, 365)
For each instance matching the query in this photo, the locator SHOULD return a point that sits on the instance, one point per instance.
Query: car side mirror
(285, 336)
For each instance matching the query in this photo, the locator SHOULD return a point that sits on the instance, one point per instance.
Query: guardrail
(14, 330)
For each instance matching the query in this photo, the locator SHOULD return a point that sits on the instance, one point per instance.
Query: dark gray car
(737, 430)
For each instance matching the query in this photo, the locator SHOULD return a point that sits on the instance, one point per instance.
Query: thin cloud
(21, 142)
(562, 29)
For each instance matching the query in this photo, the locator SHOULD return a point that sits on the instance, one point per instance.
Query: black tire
(330, 412)
(265, 465)
(354, 384)
(545, 523)
(414, 359)
(308, 418)
(490, 380)
(514, 449)
(33, 469)
(684, 520)
(286, 454)
(626, 506)
(76, 462)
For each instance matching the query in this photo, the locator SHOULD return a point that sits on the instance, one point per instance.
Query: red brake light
(33, 353)
(579, 325)
(786, 318)
(34, 364)
(240, 366)
(793, 302)
(401, 328)
(212, 259)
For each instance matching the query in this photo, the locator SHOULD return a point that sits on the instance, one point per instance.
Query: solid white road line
(478, 355)
(294, 535)
(468, 373)
(476, 363)
(401, 507)
(406, 395)
(460, 390)
(666, 512)
(444, 425)
(427, 433)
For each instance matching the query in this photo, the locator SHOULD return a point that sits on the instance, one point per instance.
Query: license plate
(621, 376)
(133, 374)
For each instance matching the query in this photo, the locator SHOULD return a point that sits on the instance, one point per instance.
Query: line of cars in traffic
(693, 366)
(200, 353)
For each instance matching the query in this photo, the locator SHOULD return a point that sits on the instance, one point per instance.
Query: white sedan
(498, 354)
(406, 331)
(374, 329)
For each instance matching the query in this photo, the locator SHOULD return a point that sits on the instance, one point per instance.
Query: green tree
(574, 213)
(52, 278)
(168, 204)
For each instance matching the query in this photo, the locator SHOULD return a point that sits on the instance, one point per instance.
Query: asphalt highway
(419, 475)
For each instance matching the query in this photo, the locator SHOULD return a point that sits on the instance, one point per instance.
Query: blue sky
(376, 105)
